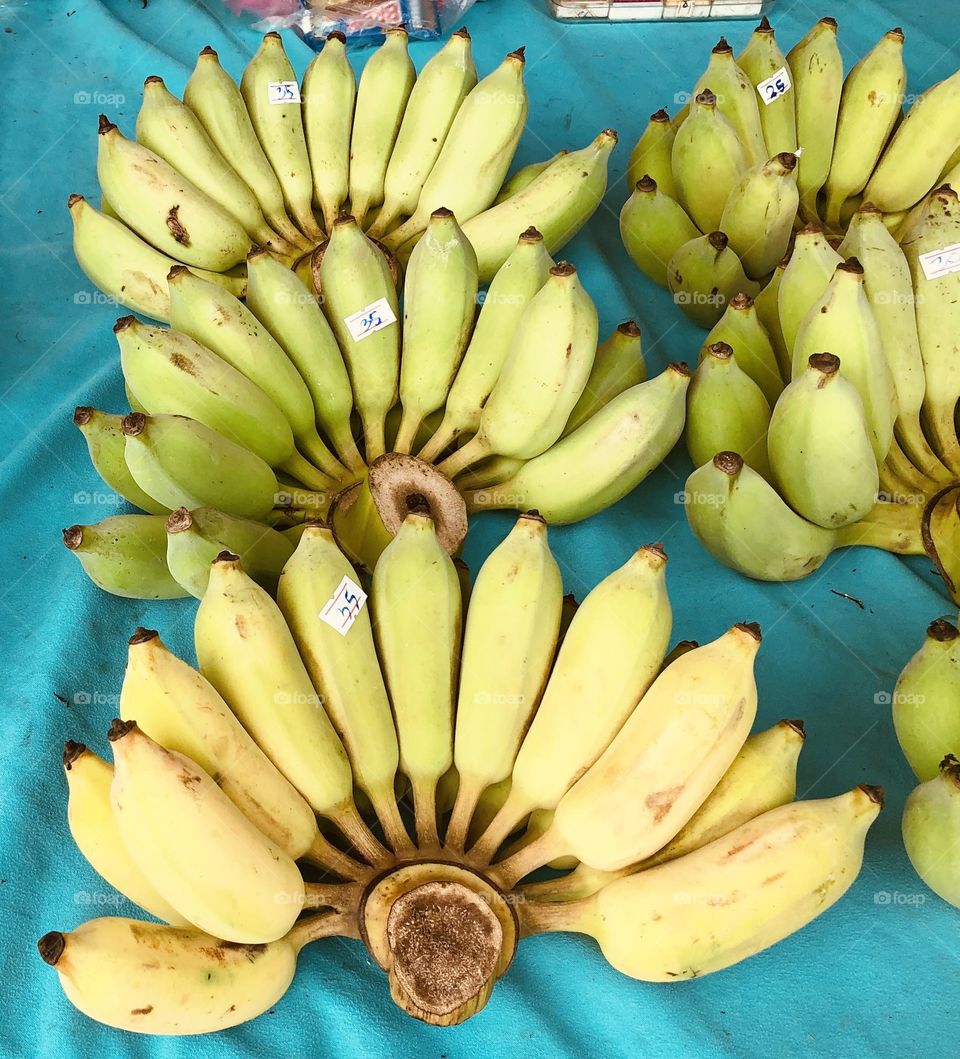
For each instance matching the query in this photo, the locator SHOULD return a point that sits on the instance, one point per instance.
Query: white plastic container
(655, 10)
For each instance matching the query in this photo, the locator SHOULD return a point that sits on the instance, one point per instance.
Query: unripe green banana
(653, 227)
(477, 152)
(183, 463)
(820, 447)
(931, 831)
(115, 259)
(126, 556)
(703, 275)
(652, 155)
(229, 329)
(441, 87)
(920, 149)
(195, 538)
(817, 69)
(759, 214)
(439, 308)
(558, 203)
(105, 440)
(708, 159)
(214, 97)
(289, 311)
(869, 109)
(417, 618)
(842, 319)
(279, 128)
(515, 285)
(736, 100)
(354, 279)
(524, 177)
(169, 212)
(768, 313)
(926, 701)
(328, 94)
(726, 409)
(555, 341)
(760, 59)
(741, 329)
(491, 471)
(174, 133)
(618, 366)
(601, 461)
(810, 268)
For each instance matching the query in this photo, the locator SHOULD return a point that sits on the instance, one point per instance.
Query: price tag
(937, 263)
(283, 92)
(341, 610)
(372, 318)
(775, 86)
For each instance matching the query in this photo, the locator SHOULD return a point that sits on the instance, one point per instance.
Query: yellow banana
(762, 59)
(653, 227)
(810, 268)
(651, 155)
(736, 99)
(618, 366)
(740, 327)
(759, 214)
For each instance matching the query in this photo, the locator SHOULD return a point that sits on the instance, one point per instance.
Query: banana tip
(74, 199)
(798, 726)
(82, 414)
(73, 537)
(752, 628)
(942, 631)
(123, 323)
(133, 424)
(729, 463)
(142, 635)
(178, 521)
(873, 792)
(71, 751)
(51, 947)
(119, 728)
(227, 557)
(105, 125)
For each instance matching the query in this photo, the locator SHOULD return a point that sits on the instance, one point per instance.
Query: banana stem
(893, 527)
(324, 854)
(374, 439)
(298, 467)
(311, 444)
(282, 224)
(465, 805)
(507, 873)
(444, 436)
(917, 449)
(341, 897)
(553, 890)
(476, 449)
(385, 217)
(487, 499)
(351, 823)
(407, 434)
(904, 469)
(346, 446)
(538, 918)
(388, 813)
(308, 225)
(425, 813)
(325, 925)
(499, 829)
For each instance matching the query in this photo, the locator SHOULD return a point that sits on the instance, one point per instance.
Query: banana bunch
(394, 767)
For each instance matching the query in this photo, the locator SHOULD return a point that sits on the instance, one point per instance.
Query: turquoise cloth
(877, 975)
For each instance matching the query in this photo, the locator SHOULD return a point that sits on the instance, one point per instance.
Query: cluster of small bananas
(926, 714)
(474, 717)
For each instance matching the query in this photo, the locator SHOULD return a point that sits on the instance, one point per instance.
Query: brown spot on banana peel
(177, 229)
(142, 1011)
(661, 802)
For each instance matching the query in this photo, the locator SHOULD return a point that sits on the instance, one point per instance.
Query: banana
(726, 409)
(122, 265)
(195, 538)
(524, 177)
(708, 159)
(601, 461)
(344, 670)
(95, 831)
(736, 100)
(931, 826)
(618, 366)
(703, 275)
(228, 328)
(201, 853)
(558, 203)
(611, 652)
(817, 69)
(652, 155)
(477, 152)
(768, 314)
(355, 283)
(869, 109)
(653, 227)
(741, 329)
(843, 320)
(512, 627)
(760, 59)
(812, 265)
(555, 341)
(441, 87)
(186, 464)
(104, 436)
(126, 556)
(920, 149)
(925, 712)
(736, 896)
(166, 209)
(174, 133)
(217, 101)
(439, 307)
(289, 311)
(515, 285)
(417, 620)
(759, 214)
(820, 448)
(279, 128)
(329, 93)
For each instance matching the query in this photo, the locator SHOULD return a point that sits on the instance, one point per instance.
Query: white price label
(937, 263)
(775, 86)
(371, 318)
(283, 92)
(341, 610)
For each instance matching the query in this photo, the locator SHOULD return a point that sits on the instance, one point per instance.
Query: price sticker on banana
(937, 263)
(341, 610)
(373, 317)
(283, 92)
(775, 86)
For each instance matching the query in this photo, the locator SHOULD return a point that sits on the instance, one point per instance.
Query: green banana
(760, 60)
(741, 329)
(126, 556)
(767, 304)
(524, 177)
(736, 99)
(759, 214)
(931, 823)
(104, 436)
(703, 275)
(491, 471)
(653, 227)
(652, 155)
(810, 268)
(618, 366)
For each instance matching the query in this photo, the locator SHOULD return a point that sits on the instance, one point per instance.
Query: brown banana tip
(519, 54)
(74, 199)
(460, 564)
(788, 160)
(82, 414)
(730, 463)
(897, 32)
(337, 35)
(105, 125)
(563, 268)
(533, 516)
(153, 79)
(176, 272)
(660, 115)
(611, 134)
(813, 228)
(73, 537)
(463, 32)
(830, 23)
(680, 367)
(656, 549)
(134, 424)
(178, 521)
(531, 235)
(71, 751)
(942, 631)
(945, 189)
(344, 217)
(722, 47)
(798, 726)
(949, 761)
(706, 98)
(629, 328)
(718, 240)
(272, 35)
(764, 26)
(646, 183)
(742, 300)
(123, 323)
(868, 207)
(873, 792)
(720, 350)
(826, 363)
(441, 213)
(207, 50)
(118, 729)
(51, 947)
(417, 504)
(226, 556)
(571, 600)
(142, 635)
(751, 627)
(256, 251)
(851, 265)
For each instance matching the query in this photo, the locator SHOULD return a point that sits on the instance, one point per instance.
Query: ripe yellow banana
(652, 155)
(741, 329)
(618, 366)
(524, 177)
(810, 268)
(931, 820)
(760, 60)
(736, 99)
(759, 214)
(768, 314)
(703, 275)
(105, 440)
(653, 227)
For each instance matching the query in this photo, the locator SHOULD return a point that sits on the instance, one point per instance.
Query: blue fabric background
(876, 976)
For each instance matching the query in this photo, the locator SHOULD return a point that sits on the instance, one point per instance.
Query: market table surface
(877, 975)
